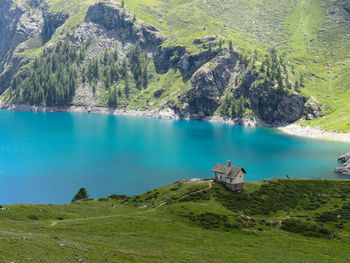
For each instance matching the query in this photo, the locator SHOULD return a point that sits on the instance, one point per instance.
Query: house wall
(239, 179)
(232, 184)
(235, 187)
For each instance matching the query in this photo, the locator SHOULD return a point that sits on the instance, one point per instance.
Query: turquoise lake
(47, 157)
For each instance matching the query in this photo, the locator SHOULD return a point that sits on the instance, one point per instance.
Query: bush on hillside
(118, 197)
(81, 195)
(33, 217)
(305, 228)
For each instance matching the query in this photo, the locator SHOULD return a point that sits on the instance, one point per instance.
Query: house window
(220, 177)
(230, 180)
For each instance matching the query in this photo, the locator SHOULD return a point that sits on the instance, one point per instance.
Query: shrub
(196, 197)
(305, 228)
(118, 197)
(81, 194)
(33, 217)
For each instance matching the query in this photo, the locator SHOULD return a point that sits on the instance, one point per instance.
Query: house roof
(221, 168)
(230, 171)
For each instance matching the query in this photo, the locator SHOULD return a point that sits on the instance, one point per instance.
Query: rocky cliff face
(345, 168)
(269, 103)
(208, 83)
(122, 25)
(19, 22)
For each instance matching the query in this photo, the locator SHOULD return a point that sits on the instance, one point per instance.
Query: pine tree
(145, 77)
(230, 46)
(112, 98)
(126, 87)
(81, 194)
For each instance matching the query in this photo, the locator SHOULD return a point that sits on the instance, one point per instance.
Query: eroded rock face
(313, 109)
(113, 18)
(209, 83)
(270, 104)
(344, 169)
(275, 108)
(19, 22)
(344, 158)
(166, 58)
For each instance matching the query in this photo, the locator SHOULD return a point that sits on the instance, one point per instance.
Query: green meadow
(275, 221)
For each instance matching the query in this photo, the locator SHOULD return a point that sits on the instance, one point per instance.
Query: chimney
(228, 163)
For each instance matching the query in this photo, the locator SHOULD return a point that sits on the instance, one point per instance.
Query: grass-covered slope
(279, 221)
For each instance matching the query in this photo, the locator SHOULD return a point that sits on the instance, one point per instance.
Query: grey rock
(158, 93)
(20, 22)
(347, 7)
(113, 18)
(312, 109)
(202, 40)
(344, 158)
(344, 169)
(168, 57)
(270, 104)
(208, 84)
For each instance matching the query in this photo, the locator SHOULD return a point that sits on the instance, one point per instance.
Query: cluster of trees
(52, 78)
(138, 66)
(271, 66)
(110, 70)
(234, 107)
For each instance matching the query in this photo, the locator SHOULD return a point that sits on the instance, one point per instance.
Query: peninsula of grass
(275, 221)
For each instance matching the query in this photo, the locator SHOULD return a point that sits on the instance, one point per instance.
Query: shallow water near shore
(46, 157)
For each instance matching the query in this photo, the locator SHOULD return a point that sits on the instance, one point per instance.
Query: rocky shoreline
(169, 114)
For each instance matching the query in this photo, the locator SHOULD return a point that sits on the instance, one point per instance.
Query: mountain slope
(185, 63)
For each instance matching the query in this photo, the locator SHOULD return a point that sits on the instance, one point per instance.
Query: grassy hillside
(279, 221)
(312, 35)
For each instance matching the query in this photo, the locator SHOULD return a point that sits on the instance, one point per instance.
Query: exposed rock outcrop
(166, 58)
(313, 109)
(344, 158)
(19, 22)
(270, 104)
(208, 84)
(274, 106)
(178, 57)
(203, 40)
(345, 168)
(121, 24)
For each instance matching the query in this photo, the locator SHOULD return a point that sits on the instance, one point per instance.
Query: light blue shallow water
(46, 157)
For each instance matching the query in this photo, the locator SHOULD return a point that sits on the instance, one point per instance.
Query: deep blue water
(47, 157)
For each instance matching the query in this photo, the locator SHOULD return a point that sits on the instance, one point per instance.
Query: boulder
(202, 40)
(344, 158)
(312, 109)
(344, 169)
(158, 93)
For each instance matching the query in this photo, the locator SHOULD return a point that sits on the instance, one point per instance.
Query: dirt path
(182, 197)
(55, 222)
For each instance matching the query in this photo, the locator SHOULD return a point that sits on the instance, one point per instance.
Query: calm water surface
(46, 157)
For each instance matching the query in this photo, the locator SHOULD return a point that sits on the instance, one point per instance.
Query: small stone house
(231, 176)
